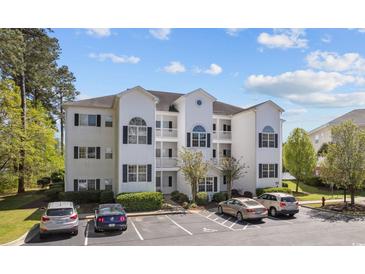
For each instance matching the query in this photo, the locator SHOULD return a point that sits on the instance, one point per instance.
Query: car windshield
(288, 199)
(110, 209)
(59, 211)
(251, 203)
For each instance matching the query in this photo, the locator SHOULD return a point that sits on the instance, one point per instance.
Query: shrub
(315, 181)
(220, 197)
(235, 193)
(52, 194)
(202, 198)
(58, 176)
(59, 185)
(248, 194)
(106, 196)
(185, 205)
(179, 197)
(284, 184)
(45, 181)
(260, 191)
(192, 205)
(80, 197)
(174, 193)
(141, 201)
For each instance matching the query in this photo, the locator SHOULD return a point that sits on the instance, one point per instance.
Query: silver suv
(279, 203)
(59, 217)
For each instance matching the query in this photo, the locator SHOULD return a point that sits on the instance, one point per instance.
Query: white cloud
(326, 39)
(283, 38)
(118, 59)
(331, 61)
(174, 67)
(233, 31)
(361, 30)
(213, 69)
(161, 34)
(309, 87)
(99, 32)
(295, 111)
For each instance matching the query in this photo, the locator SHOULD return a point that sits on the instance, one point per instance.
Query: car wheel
(273, 211)
(291, 214)
(124, 229)
(42, 236)
(96, 230)
(75, 232)
(220, 210)
(239, 217)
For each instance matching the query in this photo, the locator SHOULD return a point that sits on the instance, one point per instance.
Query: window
(316, 139)
(132, 173)
(92, 120)
(91, 184)
(170, 181)
(84, 120)
(91, 152)
(158, 124)
(109, 121)
(142, 173)
(199, 102)
(199, 137)
(108, 153)
(137, 131)
(82, 152)
(271, 171)
(201, 186)
(224, 179)
(268, 137)
(158, 152)
(108, 184)
(208, 184)
(82, 185)
(268, 171)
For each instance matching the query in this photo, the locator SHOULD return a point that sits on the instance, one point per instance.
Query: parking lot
(308, 227)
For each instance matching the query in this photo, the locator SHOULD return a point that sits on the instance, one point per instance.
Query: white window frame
(199, 138)
(132, 171)
(108, 121)
(82, 182)
(108, 182)
(108, 153)
(91, 182)
(91, 154)
(84, 120)
(268, 171)
(206, 185)
(142, 173)
(84, 153)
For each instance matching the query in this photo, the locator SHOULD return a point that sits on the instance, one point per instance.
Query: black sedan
(110, 217)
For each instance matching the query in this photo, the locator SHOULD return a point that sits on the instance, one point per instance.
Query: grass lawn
(313, 193)
(18, 213)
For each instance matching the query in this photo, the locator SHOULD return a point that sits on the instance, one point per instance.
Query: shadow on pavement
(102, 234)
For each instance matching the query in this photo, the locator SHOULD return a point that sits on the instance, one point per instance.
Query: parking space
(209, 228)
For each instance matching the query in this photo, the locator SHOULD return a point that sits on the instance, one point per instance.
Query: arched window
(137, 131)
(199, 136)
(268, 137)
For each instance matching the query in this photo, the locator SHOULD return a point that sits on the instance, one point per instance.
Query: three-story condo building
(130, 141)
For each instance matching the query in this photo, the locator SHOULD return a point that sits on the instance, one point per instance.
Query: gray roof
(166, 100)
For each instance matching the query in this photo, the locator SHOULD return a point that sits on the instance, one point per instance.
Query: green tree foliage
(193, 167)
(344, 164)
(322, 150)
(233, 170)
(299, 156)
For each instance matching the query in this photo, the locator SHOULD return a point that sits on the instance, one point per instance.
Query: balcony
(222, 135)
(166, 132)
(166, 162)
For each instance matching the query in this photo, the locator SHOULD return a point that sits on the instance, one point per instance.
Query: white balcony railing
(162, 162)
(166, 132)
(222, 135)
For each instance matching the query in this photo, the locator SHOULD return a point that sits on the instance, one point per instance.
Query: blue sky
(314, 74)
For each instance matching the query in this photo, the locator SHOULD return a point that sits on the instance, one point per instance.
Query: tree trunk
(61, 122)
(21, 169)
(344, 196)
(229, 189)
(297, 186)
(193, 191)
(352, 193)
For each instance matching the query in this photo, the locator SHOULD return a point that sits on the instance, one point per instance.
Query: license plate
(111, 225)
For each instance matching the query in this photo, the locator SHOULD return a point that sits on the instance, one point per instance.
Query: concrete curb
(138, 214)
(334, 212)
(25, 238)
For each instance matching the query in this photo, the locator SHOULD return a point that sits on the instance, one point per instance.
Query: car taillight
(282, 204)
(45, 219)
(122, 218)
(250, 210)
(73, 216)
(100, 220)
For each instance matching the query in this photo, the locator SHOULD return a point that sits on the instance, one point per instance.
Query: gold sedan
(243, 209)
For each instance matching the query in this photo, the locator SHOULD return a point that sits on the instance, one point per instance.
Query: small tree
(233, 170)
(344, 164)
(299, 156)
(193, 167)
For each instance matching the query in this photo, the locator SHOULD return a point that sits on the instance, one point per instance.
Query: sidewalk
(360, 200)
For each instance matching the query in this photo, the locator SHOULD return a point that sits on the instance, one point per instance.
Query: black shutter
(208, 140)
(170, 124)
(214, 127)
(276, 140)
(125, 134)
(76, 152)
(260, 170)
(188, 139)
(125, 175)
(76, 184)
(170, 181)
(170, 152)
(224, 179)
(97, 152)
(228, 127)
(215, 186)
(260, 139)
(224, 127)
(98, 120)
(76, 119)
(224, 152)
(97, 184)
(149, 173)
(214, 153)
(276, 170)
(149, 135)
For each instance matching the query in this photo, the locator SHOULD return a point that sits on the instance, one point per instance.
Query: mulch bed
(346, 208)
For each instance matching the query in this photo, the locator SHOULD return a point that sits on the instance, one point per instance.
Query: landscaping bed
(357, 209)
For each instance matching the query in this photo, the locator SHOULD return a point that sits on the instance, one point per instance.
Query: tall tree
(232, 169)
(344, 163)
(299, 156)
(64, 90)
(28, 57)
(193, 167)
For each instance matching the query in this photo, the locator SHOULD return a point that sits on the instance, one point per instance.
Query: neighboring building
(322, 134)
(129, 142)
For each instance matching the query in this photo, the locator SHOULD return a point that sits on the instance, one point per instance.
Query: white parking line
(86, 234)
(214, 221)
(210, 214)
(233, 224)
(135, 228)
(187, 231)
(227, 220)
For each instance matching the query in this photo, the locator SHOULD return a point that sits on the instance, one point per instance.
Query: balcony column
(161, 186)
(218, 129)
(218, 154)
(162, 128)
(162, 163)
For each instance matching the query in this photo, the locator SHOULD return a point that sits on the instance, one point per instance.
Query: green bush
(260, 191)
(174, 194)
(80, 197)
(179, 197)
(52, 194)
(141, 201)
(284, 184)
(106, 196)
(202, 198)
(220, 197)
(315, 181)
